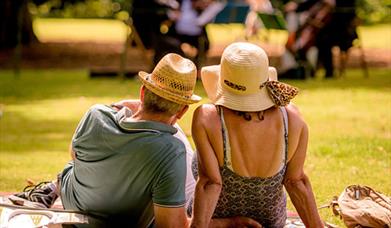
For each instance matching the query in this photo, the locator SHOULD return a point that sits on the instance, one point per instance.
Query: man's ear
(182, 112)
(142, 91)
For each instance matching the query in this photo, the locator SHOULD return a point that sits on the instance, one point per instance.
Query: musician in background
(184, 21)
(148, 17)
(341, 32)
(253, 23)
(189, 24)
(335, 27)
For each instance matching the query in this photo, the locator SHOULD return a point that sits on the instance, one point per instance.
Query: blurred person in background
(321, 24)
(165, 25)
(148, 15)
(189, 27)
(253, 23)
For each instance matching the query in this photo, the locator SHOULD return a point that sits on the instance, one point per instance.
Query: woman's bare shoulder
(205, 115)
(298, 131)
(205, 111)
(296, 119)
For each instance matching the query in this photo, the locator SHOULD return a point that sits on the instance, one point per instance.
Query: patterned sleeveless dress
(262, 199)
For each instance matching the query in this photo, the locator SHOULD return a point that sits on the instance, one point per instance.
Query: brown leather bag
(361, 206)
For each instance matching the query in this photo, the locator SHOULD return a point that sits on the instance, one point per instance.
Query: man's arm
(298, 185)
(170, 217)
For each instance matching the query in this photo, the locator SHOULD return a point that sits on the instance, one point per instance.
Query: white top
(190, 23)
(190, 181)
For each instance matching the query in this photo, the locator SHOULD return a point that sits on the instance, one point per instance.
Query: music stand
(232, 13)
(272, 21)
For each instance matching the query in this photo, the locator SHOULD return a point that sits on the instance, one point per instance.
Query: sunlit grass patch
(80, 30)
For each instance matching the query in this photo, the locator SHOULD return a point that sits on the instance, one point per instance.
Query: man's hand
(131, 104)
(200, 4)
(246, 222)
(290, 6)
(234, 222)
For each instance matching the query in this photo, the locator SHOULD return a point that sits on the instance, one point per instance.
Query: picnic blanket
(14, 216)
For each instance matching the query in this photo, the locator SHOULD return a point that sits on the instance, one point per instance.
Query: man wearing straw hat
(128, 170)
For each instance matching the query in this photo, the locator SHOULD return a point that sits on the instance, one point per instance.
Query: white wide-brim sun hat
(238, 82)
(173, 78)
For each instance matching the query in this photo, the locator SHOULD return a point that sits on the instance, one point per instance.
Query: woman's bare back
(257, 146)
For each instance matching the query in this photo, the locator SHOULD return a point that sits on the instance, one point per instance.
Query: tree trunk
(15, 24)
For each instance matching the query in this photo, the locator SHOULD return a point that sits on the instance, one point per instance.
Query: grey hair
(156, 104)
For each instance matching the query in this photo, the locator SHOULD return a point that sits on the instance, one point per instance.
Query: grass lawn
(349, 121)
(349, 118)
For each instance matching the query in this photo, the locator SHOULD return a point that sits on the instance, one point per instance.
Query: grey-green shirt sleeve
(169, 191)
(88, 134)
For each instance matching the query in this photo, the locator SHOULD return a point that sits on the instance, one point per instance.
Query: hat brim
(149, 84)
(210, 77)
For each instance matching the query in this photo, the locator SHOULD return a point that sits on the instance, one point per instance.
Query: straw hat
(244, 81)
(173, 78)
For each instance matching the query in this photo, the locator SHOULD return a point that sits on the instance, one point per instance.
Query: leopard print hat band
(279, 92)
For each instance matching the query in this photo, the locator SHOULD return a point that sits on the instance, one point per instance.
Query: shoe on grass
(42, 195)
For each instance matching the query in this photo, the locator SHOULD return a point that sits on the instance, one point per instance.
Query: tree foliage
(369, 11)
(374, 11)
(81, 8)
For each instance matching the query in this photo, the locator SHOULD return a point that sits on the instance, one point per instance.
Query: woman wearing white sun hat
(247, 149)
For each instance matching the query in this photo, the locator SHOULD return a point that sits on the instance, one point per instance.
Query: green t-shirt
(123, 167)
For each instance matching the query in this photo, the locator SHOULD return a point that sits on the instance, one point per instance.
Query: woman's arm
(297, 183)
(209, 181)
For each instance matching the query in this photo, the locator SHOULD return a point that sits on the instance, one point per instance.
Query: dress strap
(226, 144)
(285, 119)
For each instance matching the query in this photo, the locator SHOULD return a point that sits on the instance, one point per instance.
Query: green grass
(349, 121)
